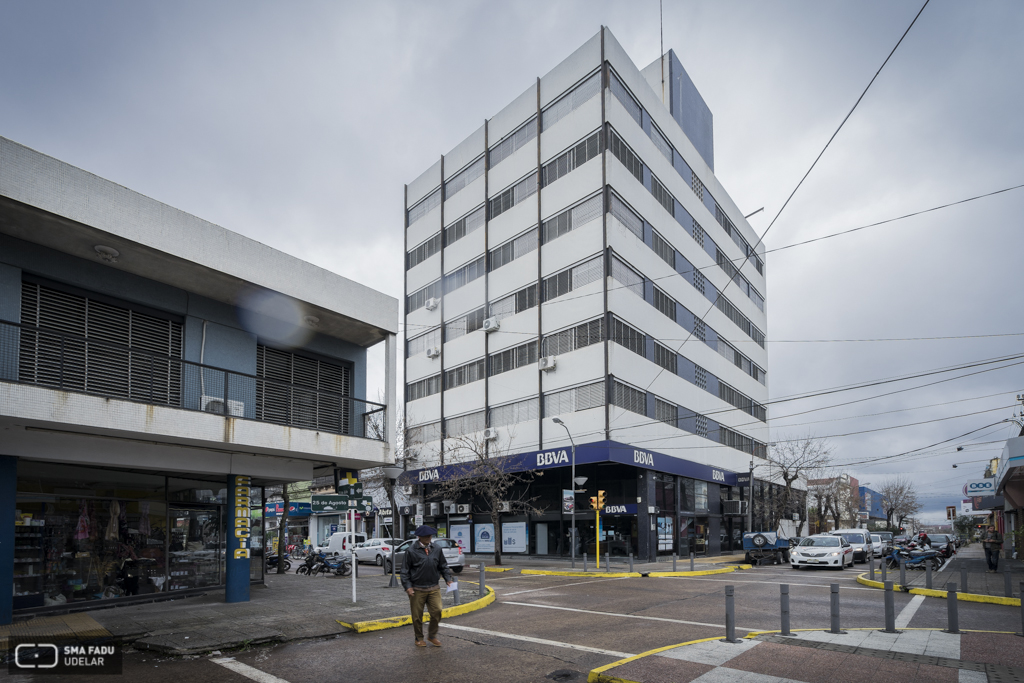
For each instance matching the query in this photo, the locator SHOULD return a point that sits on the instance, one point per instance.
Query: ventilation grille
(302, 392)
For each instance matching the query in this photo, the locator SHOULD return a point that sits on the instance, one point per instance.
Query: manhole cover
(564, 675)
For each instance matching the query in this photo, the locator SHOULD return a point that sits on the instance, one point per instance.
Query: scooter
(307, 566)
(338, 566)
(273, 559)
(914, 559)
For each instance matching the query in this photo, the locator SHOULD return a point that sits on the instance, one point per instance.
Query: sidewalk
(979, 581)
(618, 563)
(289, 607)
(821, 657)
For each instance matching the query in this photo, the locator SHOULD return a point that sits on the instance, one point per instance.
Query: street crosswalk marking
(538, 641)
(249, 672)
(564, 585)
(908, 612)
(624, 616)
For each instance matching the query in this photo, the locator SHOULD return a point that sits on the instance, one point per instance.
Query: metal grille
(665, 304)
(697, 186)
(512, 196)
(574, 338)
(664, 250)
(424, 433)
(629, 337)
(666, 358)
(464, 226)
(510, 359)
(621, 151)
(571, 159)
(424, 206)
(517, 302)
(663, 196)
(463, 325)
(427, 386)
(511, 250)
(304, 392)
(661, 143)
(463, 178)
(514, 413)
(419, 344)
(701, 377)
(505, 148)
(697, 233)
(630, 279)
(626, 217)
(465, 374)
(464, 275)
(665, 412)
(464, 424)
(419, 254)
(623, 96)
(629, 398)
(575, 399)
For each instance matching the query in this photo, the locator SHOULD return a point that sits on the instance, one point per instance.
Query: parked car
(375, 550)
(794, 541)
(944, 544)
(860, 540)
(822, 550)
(878, 545)
(452, 553)
(340, 543)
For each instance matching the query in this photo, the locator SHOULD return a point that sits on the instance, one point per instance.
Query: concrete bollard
(674, 556)
(730, 615)
(483, 579)
(885, 567)
(903, 572)
(890, 609)
(1007, 581)
(607, 560)
(631, 562)
(455, 597)
(928, 575)
(784, 608)
(834, 608)
(871, 568)
(952, 618)
(963, 578)
(584, 562)
(691, 560)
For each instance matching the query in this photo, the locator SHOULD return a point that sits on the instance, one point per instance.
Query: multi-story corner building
(156, 373)
(576, 257)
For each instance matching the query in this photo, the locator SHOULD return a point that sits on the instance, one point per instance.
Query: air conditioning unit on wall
(734, 507)
(490, 434)
(432, 303)
(547, 363)
(215, 405)
(462, 509)
(433, 352)
(491, 324)
(504, 506)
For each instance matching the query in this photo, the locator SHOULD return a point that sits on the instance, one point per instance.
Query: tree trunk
(282, 531)
(496, 521)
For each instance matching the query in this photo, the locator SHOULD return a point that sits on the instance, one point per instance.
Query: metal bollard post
(455, 597)
(730, 615)
(834, 616)
(631, 563)
(691, 560)
(963, 578)
(890, 609)
(784, 606)
(355, 565)
(928, 575)
(871, 568)
(674, 562)
(483, 579)
(607, 560)
(903, 572)
(584, 562)
(885, 567)
(1007, 585)
(952, 618)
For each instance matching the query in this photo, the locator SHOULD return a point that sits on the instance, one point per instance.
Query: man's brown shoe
(420, 643)
(435, 641)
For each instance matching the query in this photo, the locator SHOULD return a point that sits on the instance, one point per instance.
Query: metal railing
(68, 362)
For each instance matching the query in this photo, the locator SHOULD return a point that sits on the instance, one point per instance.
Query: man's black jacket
(423, 569)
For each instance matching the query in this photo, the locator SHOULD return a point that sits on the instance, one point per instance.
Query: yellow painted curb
(932, 593)
(394, 622)
(598, 676)
(595, 574)
(696, 572)
(498, 569)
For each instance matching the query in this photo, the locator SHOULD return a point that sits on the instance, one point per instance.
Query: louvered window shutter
(303, 392)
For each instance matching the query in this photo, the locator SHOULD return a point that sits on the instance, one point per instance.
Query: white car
(877, 545)
(375, 550)
(822, 550)
(340, 543)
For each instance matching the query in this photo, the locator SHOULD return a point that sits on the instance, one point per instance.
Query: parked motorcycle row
(919, 558)
(321, 563)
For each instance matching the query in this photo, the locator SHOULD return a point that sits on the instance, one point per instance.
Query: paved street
(559, 628)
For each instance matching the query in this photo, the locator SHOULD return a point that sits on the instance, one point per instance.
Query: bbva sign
(980, 487)
(549, 458)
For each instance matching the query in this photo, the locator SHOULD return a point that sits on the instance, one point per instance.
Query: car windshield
(886, 536)
(853, 538)
(875, 538)
(443, 543)
(822, 541)
(942, 538)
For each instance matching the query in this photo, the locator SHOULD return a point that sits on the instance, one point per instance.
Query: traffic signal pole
(597, 536)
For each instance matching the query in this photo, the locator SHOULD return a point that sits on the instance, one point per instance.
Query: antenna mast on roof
(661, 45)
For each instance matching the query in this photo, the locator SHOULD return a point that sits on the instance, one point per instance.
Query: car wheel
(794, 566)
(457, 570)
(380, 560)
(387, 566)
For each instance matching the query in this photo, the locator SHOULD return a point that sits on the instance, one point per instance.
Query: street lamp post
(572, 541)
(393, 473)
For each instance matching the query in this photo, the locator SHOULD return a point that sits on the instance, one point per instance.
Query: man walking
(423, 567)
(993, 541)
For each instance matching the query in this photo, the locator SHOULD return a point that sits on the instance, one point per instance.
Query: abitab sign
(980, 487)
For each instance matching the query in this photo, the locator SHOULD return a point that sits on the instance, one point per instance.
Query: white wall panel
(518, 438)
(571, 129)
(424, 273)
(512, 276)
(586, 426)
(514, 221)
(566, 250)
(465, 298)
(576, 367)
(571, 70)
(569, 189)
(465, 152)
(465, 399)
(580, 304)
(422, 229)
(427, 182)
(422, 319)
(419, 366)
(423, 411)
(466, 348)
(463, 251)
(514, 385)
(512, 169)
(464, 201)
(513, 115)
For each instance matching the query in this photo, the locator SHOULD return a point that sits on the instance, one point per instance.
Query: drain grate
(996, 674)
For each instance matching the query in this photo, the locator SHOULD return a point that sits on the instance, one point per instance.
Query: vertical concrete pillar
(236, 588)
(8, 493)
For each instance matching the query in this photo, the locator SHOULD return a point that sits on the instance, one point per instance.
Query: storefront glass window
(196, 557)
(686, 491)
(665, 493)
(190, 491)
(700, 495)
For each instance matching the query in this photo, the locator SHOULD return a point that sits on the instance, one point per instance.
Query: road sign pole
(351, 548)
(597, 537)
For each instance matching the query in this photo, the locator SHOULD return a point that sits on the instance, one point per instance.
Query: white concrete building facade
(576, 257)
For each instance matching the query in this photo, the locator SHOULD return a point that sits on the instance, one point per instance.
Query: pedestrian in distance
(423, 567)
(993, 542)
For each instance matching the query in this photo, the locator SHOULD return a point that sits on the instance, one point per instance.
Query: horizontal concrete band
(405, 620)
(930, 593)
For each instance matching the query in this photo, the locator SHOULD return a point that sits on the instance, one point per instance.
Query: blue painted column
(239, 524)
(8, 493)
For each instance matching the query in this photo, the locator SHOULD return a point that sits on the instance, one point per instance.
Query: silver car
(861, 542)
(375, 550)
(452, 553)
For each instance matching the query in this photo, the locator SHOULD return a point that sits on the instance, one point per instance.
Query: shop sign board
(966, 506)
(627, 509)
(294, 509)
(236, 575)
(461, 533)
(568, 501)
(328, 503)
(980, 487)
(483, 538)
(514, 537)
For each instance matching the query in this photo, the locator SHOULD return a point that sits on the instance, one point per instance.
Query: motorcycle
(272, 561)
(307, 566)
(914, 559)
(339, 566)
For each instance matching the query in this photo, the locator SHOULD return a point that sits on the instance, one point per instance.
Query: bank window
(665, 494)
(701, 495)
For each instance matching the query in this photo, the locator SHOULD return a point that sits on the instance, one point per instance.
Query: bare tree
(286, 493)
(376, 484)
(483, 473)
(792, 460)
(899, 500)
(824, 490)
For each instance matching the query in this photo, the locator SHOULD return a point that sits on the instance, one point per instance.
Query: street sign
(951, 512)
(328, 503)
(418, 520)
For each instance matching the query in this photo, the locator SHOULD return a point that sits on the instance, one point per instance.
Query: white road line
(813, 585)
(538, 641)
(624, 616)
(563, 585)
(908, 612)
(249, 672)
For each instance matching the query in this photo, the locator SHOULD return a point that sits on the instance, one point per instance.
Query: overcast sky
(297, 124)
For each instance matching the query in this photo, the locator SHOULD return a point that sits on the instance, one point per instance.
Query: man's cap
(425, 531)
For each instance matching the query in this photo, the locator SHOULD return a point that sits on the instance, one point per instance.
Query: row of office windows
(632, 162)
(641, 117)
(631, 221)
(635, 282)
(645, 346)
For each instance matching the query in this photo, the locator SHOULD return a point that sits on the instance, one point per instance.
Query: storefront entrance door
(195, 548)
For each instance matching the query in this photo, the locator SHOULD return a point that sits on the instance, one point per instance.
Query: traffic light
(593, 503)
(600, 499)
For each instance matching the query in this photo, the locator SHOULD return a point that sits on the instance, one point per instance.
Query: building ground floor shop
(655, 505)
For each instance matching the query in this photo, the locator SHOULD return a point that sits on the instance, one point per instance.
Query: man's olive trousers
(432, 600)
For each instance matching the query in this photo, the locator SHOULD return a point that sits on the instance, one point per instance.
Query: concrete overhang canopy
(48, 202)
